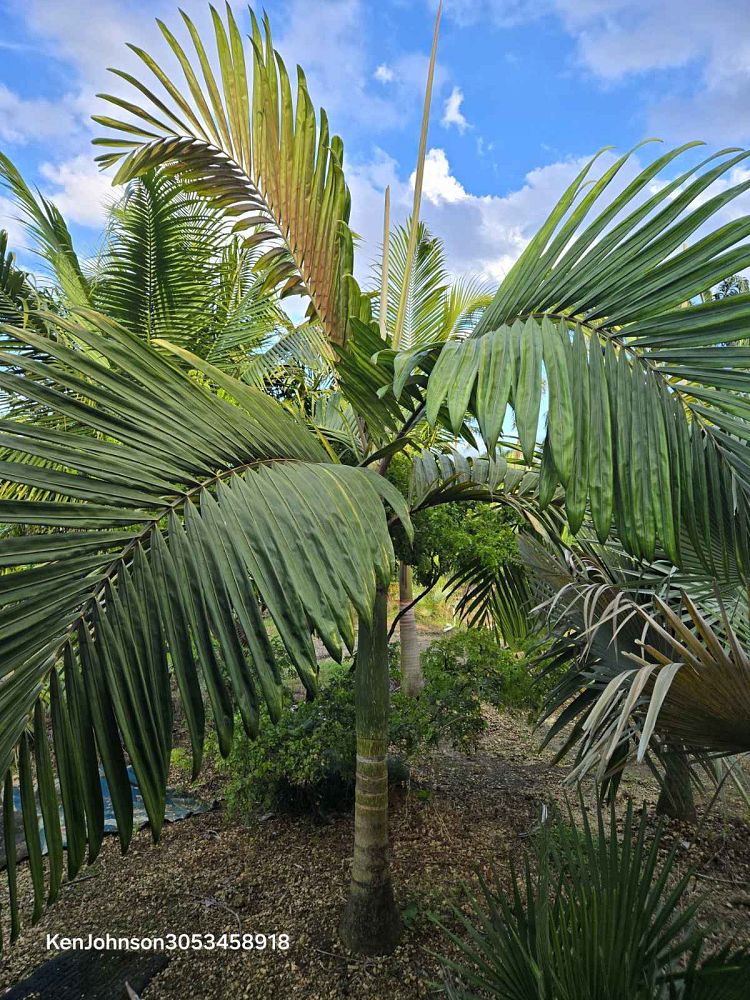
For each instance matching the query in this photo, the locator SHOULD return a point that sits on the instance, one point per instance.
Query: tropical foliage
(591, 915)
(173, 477)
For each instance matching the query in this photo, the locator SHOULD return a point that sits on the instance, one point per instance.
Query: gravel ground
(283, 875)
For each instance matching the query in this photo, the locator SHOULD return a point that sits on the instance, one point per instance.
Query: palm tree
(169, 267)
(190, 499)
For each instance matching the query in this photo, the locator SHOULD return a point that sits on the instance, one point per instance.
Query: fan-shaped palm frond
(256, 153)
(649, 666)
(596, 912)
(176, 516)
(646, 423)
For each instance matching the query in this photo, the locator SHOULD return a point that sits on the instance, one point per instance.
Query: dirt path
(210, 875)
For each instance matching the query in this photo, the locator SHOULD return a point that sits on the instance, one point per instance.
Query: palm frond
(50, 235)
(256, 153)
(18, 296)
(591, 915)
(176, 516)
(648, 666)
(596, 307)
(159, 271)
(304, 347)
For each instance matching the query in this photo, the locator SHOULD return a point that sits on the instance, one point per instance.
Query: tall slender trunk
(676, 796)
(370, 923)
(412, 680)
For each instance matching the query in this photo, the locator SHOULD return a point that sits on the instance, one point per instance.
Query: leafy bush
(306, 763)
(592, 917)
(303, 763)
(466, 669)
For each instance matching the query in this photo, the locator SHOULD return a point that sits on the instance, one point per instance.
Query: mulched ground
(211, 875)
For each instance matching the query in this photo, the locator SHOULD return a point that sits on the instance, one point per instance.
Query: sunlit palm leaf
(257, 153)
(646, 424)
(435, 307)
(50, 235)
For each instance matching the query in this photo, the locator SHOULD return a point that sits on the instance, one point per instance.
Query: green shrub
(592, 918)
(472, 661)
(306, 762)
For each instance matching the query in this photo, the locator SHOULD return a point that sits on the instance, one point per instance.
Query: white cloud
(384, 74)
(618, 38)
(79, 190)
(23, 120)
(615, 39)
(452, 113)
(9, 222)
(440, 186)
(332, 47)
(89, 34)
(483, 234)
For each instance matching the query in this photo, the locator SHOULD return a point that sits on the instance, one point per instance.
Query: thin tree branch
(409, 606)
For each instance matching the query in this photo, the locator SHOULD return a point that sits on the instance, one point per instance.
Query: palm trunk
(412, 680)
(371, 923)
(676, 796)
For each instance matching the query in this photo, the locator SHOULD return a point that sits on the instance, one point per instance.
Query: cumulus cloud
(483, 233)
(79, 190)
(452, 113)
(625, 37)
(384, 74)
(23, 120)
(332, 47)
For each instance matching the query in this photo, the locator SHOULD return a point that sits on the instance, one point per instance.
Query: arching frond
(303, 347)
(256, 152)
(176, 517)
(646, 423)
(50, 235)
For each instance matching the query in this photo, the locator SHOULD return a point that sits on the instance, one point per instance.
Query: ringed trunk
(676, 796)
(412, 680)
(370, 923)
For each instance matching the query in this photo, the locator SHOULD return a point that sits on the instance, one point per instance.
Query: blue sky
(525, 91)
